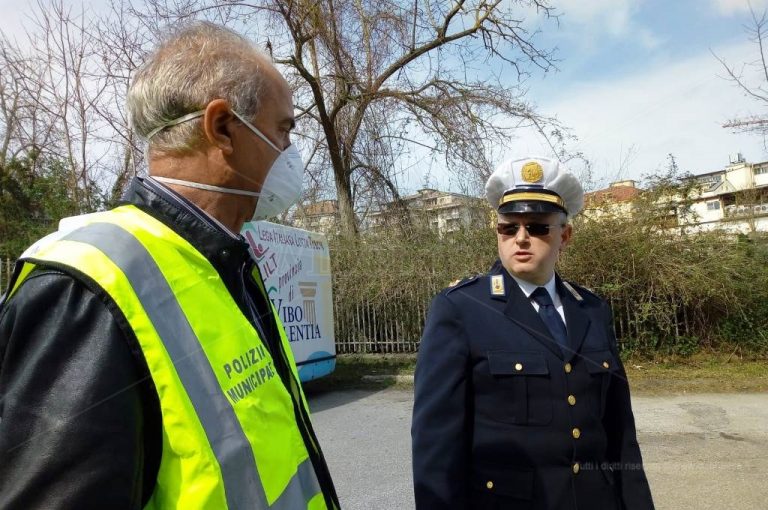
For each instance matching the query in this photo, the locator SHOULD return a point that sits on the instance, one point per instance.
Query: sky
(636, 80)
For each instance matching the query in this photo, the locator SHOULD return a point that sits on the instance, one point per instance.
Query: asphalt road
(701, 451)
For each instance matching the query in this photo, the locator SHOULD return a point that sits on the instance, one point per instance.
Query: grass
(353, 371)
(699, 373)
(704, 372)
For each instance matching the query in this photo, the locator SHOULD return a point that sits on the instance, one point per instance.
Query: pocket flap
(515, 484)
(517, 363)
(598, 362)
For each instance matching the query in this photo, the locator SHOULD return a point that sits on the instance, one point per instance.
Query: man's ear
(566, 236)
(217, 124)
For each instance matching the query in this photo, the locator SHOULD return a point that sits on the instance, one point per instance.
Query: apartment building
(734, 199)
(321, 216)
(443, 211)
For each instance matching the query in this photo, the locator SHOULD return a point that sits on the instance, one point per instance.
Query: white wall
(740, 176)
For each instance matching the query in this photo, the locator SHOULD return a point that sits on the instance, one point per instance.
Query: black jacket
(497, 405)
(80, 419)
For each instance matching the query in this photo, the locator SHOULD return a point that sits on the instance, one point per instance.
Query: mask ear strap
(183, 118)
(256, 131)
(207, 187)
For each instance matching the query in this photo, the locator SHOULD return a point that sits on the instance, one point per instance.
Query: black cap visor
(525, 207)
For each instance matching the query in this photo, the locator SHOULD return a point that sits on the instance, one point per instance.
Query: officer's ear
(565, 236)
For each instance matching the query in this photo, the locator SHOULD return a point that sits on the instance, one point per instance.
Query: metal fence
(386, 324)
(391, 323)
(395, 325)
(6, 270)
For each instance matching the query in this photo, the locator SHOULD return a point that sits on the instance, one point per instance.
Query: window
(762, 169)
(713, 205)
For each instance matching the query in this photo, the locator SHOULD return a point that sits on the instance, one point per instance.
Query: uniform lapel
(576, 319)
(520, 311)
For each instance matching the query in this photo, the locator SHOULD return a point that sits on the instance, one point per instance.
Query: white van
(296, 267)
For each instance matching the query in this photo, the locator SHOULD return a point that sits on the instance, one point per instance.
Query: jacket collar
(521, 312)
(576, 319)
(517, 307)
(188, 220)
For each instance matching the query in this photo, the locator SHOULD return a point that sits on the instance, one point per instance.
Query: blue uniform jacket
(505, 419)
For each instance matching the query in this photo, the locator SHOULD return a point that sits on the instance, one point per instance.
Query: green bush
(383, 282)
(35, 193)
(672, 291)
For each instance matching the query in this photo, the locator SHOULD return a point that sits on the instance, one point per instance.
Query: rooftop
(321, 208)
(623, 191)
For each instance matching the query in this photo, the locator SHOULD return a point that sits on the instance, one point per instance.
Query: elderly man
(521, 398)
(142, 362)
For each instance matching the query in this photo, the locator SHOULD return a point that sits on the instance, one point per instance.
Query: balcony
(741, 211)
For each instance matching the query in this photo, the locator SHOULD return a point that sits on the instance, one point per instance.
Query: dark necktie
(549, 315)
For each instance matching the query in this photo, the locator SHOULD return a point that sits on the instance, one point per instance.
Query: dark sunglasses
(534, 229)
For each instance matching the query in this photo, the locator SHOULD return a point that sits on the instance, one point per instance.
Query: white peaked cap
(534, 184)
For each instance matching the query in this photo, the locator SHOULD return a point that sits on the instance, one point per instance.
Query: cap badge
(532, 172)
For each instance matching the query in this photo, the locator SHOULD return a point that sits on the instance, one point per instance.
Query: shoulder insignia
(573, 291)
(461, 282)
(583, 292)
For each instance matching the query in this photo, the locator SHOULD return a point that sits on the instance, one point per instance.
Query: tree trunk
(347, 220)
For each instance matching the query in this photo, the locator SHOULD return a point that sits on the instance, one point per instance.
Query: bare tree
(11, 99)
(121, 42)
(49, 97)
(71, 90)
(26, 127)
(752, 77)
(375, 79)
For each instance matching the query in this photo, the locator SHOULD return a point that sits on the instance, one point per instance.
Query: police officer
(521, 400)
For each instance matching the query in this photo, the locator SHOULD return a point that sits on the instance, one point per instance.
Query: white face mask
(281, 188)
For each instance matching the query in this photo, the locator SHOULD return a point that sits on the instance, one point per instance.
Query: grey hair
(190, 68)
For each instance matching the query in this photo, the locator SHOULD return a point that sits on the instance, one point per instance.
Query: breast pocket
(521, 384)
(601, 365)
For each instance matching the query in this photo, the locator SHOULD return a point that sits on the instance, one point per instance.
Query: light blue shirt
(528, 288)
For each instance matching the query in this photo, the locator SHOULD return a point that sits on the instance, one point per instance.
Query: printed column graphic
(308, 291)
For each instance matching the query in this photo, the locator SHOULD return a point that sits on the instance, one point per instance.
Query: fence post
(5, 274)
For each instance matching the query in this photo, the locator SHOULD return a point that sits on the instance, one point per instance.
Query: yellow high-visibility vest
(230, 434)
